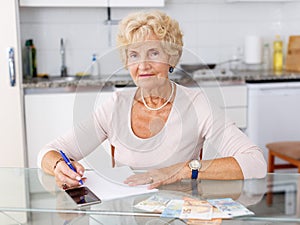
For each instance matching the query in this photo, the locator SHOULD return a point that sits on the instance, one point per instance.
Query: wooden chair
(112, 150)
(287, 151)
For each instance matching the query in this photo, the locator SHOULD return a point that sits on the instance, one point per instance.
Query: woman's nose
(144, 64)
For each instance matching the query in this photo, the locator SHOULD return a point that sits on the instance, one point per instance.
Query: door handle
(11, 66)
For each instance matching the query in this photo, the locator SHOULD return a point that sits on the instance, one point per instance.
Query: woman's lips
(146, 75)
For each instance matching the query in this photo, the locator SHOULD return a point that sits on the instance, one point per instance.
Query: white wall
(212, 30)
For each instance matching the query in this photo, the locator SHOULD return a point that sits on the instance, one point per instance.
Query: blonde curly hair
(136, 27)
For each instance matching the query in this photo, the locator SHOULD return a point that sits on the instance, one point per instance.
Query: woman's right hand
(66, 178)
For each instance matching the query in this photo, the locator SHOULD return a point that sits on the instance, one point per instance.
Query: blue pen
(67, 160)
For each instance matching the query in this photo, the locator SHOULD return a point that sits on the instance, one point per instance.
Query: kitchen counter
(110, 82)
(269, 76)
(91, 81)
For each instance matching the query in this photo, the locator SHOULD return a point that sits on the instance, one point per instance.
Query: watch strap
(195, 174)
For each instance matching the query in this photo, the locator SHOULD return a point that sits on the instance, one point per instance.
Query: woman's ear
(173, 60)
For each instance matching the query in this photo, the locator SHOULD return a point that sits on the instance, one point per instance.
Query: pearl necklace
(163, 105)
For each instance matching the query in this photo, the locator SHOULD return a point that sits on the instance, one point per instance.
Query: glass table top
(29, 193)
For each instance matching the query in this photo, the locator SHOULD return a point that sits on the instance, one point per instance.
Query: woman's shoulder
(114, 97)
(120, 99)
(193, 95)
(124, 93)
(191, 91)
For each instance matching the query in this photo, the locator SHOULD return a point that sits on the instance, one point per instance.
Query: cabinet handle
(11, 66)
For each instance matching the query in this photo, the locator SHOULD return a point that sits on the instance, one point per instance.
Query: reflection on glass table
(30, 197)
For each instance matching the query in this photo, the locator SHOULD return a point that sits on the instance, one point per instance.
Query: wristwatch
(195, 166)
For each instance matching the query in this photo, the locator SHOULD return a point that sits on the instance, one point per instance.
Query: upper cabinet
(64, 3)
(246, 1)
(91, 3)
(136, 3)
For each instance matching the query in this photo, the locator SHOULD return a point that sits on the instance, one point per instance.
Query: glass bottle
(94, 66)
(236, 59)
(30, 68)
(277, 54)
(266, 57)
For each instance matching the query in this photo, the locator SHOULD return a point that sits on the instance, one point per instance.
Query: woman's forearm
(218, 169)
(221, 169)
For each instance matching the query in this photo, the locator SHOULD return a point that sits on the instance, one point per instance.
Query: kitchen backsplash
(213, 30)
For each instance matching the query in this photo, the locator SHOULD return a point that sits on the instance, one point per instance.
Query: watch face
(195, 164)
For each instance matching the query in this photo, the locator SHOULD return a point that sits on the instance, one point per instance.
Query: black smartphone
(83, 196)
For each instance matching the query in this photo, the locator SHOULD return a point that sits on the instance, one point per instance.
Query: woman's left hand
(158, 177)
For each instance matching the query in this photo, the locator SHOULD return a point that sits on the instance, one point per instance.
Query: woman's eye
(133, 56)
(154, 54)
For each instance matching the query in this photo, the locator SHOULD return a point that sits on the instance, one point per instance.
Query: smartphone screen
(83, 196)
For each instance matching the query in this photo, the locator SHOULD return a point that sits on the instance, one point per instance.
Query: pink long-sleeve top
(193, 124)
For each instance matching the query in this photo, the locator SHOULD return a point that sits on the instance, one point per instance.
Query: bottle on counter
(278, 54)
(266, 57)
(95, 66)
(237, 59)
(30, 66)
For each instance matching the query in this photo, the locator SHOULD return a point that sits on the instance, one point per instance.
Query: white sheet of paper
(116, 175)
(109, 184)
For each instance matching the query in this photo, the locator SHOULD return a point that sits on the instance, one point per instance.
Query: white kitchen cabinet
(91, 3)
(51, 115)
(256, 1)
(12, 147)
(273, 113)
(233, 99)
(64, 3)
(136, 3)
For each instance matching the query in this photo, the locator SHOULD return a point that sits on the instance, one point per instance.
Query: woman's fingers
(79, 168)
(155, 179)
(146, 178)
(158, 177)
(64, 181)
(66, 178)
(138, 179)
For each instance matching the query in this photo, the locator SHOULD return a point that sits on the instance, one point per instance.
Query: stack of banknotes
(190, 208)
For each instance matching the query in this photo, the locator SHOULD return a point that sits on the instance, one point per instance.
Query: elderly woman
(160, 126)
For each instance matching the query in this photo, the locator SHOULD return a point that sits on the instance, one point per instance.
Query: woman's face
(148, 63)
